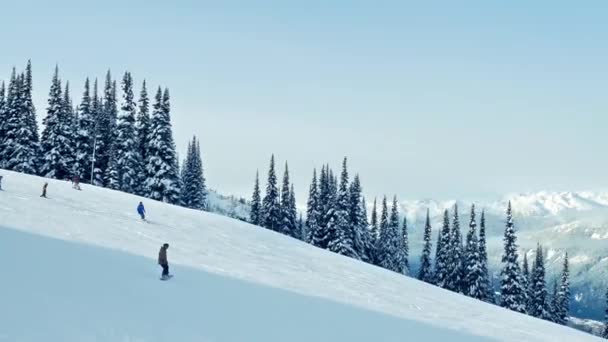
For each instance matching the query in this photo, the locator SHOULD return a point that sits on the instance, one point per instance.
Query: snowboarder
(44, 190)
(162, 261)
(141, 211)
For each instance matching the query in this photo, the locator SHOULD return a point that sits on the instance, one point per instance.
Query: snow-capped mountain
(573, 222)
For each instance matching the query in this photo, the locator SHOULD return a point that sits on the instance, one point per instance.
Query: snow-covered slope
(234, 281)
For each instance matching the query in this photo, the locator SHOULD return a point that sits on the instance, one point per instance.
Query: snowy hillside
(233, 281)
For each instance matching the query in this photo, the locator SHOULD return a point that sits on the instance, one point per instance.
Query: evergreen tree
(142, 129)
(271, 207)
(374, 233)
(442, 253)
(193, 189)
(403, 251)
(425, 273)
(29, 109)
(312, 208)
(98, 116)
(540, 303)
(454, 281)
(20, 148)
(605, 331)
(293, 212)
(483, 259)
(162, 181)
(84, 135)
(288, 218)
(127, 162)
(388, 249)
(3, 121)
(368, 242)
(57, 136)
(255, 216)
(527, 284)
(343, 241)
(383, 257)
(554, 306)
(512, 292)
(107, 112)
(563, 295)
(358, 220)
(324, 234)
(473, 278)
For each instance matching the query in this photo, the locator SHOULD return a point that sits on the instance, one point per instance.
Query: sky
(427, 99)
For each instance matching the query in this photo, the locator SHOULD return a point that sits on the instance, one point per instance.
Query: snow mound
(233, 281)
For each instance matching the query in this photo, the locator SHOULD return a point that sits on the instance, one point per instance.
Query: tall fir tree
(193, 188)
(271, 207)
(84, 135)
(97, 110)
(33, 138)
(343, 241)
(324, 234)
(383, 257)
(473, 278)
(358, 220)
(442, 253)
(512, 294)
(454, 281)
(56, 139)
(425, 272)
(106, 132)
(293, 212)
(526, 283)
(403, 252)
(563, 295)
(388, 248)
(288, 219)
(540, 302)
(312, 208)
(368, 241)
(374, 232)
(162, 181)
(483, 258)
(255, 216)
(554, 305)
(3, 120)
(142, 129)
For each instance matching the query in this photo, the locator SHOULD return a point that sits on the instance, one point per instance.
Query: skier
(76, 182)
(141, 211)
(162, 261)
(44, 190)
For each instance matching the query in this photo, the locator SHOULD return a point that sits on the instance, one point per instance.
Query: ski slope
(81, 266)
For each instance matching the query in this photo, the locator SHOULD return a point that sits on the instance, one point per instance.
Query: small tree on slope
(442, 256)
(512, 294)
(425, 272)
(255, 216)
(473, 279)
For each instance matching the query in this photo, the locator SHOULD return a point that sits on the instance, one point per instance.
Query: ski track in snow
(240, 277)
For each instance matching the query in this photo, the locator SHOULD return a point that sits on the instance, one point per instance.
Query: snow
(82, 268)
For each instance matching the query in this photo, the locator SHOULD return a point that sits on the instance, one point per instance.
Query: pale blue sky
(440, 99)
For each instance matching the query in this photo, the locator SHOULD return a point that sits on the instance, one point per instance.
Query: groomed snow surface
(81, 266)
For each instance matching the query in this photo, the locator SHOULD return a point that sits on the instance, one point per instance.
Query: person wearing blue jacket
(141, 211)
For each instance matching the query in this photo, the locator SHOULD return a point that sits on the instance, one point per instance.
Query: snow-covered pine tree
(107, 110)
(454, 281)
(605, 331)
(483, 259)
(512, 294)
(302, 228)
(142, 128)
(28, 103)
(403, 252)
(20, 148)
(84, 135)
(388, 251)
(383, 252)
(271, 207)
(287, 223)
(368, 242)
(343, 241)
(293, 213)
(358, 221)
(442, 253)
(162, 181)
(127, 162)
(322, 235)
(554, 306)
(71, 119)
(540, 303)
(193, 189)
(97, 113)
(3, 120)
(526, 283)
(473, 278)
(563, 295)
(425, 272)
(255, 216)
(374, 233)
(312, 208)
(57, 135)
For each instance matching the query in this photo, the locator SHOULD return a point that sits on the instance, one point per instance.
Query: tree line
(120, 146)
(337, 220)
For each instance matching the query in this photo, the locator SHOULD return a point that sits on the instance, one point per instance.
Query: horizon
(449, 102)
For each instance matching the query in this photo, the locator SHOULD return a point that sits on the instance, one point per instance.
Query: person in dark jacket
(44, 190)
(162, 260)
(141, 211)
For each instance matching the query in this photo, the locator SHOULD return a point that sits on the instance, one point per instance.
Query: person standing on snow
(162, 260)
(44, 190)
(141, 211)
